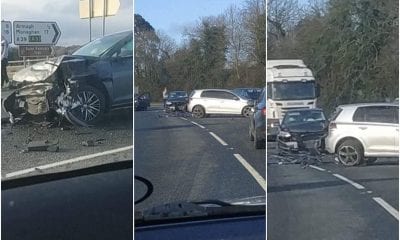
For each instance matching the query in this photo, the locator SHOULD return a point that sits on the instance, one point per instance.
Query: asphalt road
(193, 159)
(114, 138)
(330, 201)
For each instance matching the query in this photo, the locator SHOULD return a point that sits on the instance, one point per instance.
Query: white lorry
(290, 85)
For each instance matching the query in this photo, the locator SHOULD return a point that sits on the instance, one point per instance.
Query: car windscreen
(177, 94)
(298, 90)
(299, 117)
(99, 46)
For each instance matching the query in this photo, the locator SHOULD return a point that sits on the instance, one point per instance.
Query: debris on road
(92, 143)
(88, 143)
(45, 145)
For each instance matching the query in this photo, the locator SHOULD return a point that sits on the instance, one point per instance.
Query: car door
(375, 125)
(229, 103)
(122, 70)
(210, 101)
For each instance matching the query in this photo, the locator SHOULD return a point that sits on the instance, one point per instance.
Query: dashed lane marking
(354, 184)
(260, 180)
(218, 139)
(195, 123)
(72, 160)
(317, 168)
(387, 207)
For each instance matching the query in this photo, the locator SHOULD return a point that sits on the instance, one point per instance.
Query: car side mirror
(236, 98)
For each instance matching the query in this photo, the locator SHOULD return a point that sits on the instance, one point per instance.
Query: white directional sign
(36, 33)
(112, 7)
(6, 30)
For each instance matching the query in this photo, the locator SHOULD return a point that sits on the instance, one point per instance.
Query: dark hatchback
(249, 93)
(176, 101)
(257, 125)
(142, 101)
(302, 129)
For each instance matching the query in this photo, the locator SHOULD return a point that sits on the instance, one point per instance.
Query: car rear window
(335, 114)
(378, 114)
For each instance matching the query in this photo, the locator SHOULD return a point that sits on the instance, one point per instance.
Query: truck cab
(290, 85)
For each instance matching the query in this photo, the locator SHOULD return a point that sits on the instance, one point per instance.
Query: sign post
(97, 8)
(6, 31)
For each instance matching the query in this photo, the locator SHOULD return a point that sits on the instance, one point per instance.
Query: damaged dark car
(302, 129)
(176, 101)
(81, 87)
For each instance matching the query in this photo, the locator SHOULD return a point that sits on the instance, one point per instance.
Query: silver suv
(364, 132)
(217, 101)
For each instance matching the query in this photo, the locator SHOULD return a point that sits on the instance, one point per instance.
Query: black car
(142, 101)
(83, 86)
(257, 129)
(249, 93)
(302, 129)
(176, 101)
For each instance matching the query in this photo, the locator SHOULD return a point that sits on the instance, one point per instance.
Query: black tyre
(251, 137)
(350, 153)
(246, 111)
(198, 112)
(91, 108)
(258, 143)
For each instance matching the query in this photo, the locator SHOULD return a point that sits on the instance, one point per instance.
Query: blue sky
(66, 13)
(171, 17)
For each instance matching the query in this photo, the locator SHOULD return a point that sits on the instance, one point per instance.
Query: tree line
(351, 45)
(224, 51)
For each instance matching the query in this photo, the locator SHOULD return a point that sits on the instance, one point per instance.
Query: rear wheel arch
(348, 138)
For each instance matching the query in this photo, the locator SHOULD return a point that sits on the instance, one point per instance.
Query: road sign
(6, 30)
(112, 7)
(36, 33)
(34, 51)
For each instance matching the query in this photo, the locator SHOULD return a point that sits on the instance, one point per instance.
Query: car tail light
(264, 111)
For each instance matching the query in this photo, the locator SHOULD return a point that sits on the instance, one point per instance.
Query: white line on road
(72, 160)
(387, 207)
(183, 118)
(218, 139)
(251, 170)
(356, 185)
(318, 168)
(195, 123)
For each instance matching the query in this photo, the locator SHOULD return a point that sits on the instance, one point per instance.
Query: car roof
(356, 105)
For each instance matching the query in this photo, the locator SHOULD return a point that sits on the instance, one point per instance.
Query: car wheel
(198, 112)
(246, 111)
(258, 143)
(350, 153)
(370, 160)
(91, 108)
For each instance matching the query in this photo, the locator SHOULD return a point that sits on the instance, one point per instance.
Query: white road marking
(195, 123)
(72, 160)
(318, 168)
(218, 139)
(260, 180)
(183, 118)
(387, 207)
(354, 184)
